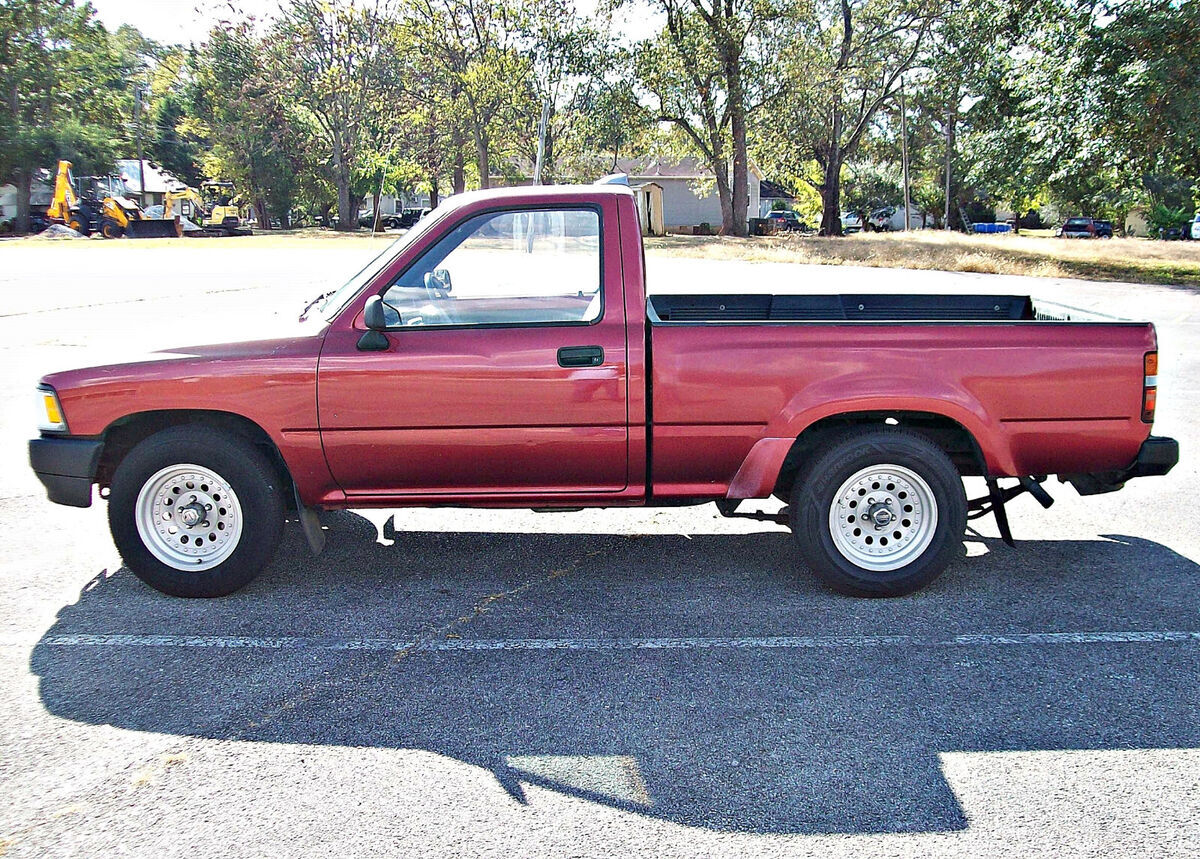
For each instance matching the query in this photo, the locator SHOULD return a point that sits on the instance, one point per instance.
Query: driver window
(506, 268)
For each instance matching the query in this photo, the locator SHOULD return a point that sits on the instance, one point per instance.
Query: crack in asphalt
(447, 630)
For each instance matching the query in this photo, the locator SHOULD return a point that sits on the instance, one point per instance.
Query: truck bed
(1041, 390)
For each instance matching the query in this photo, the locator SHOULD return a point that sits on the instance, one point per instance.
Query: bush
(1164, 220)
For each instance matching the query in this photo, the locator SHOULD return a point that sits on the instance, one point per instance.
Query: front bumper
(1157, 456)
(66, 467)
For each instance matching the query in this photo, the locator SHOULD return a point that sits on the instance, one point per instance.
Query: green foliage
(240, 121)
(1162, 218)
(64, 83)
(846, 62)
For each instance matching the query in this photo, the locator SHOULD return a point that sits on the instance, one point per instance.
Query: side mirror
(374, 316)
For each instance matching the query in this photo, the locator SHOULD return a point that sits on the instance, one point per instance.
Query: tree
(247, 133)
(63, 91)
(472, 46)
(330, 64)
(848, 63)
(706, 73)
(1145, 86)
(571, 59)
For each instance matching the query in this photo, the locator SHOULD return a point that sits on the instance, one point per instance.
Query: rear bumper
(1157, 456)
(66, 467)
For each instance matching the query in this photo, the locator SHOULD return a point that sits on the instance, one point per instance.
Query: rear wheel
(196, 512)
(878, 512)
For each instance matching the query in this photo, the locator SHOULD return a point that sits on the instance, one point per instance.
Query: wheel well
(124, 434)
(948, 434)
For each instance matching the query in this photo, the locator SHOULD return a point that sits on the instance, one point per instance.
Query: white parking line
(851, 642)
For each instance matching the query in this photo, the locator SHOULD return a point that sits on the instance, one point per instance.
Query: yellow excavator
(214, 212)
(97, 209)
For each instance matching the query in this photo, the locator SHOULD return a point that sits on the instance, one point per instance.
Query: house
(772, 196)
(687, 191)
(671, 195)
(1137, 222)
(157, 182)
(390, 204)
(41, 192)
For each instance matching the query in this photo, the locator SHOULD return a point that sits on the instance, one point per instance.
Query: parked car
(410, 216)
(884, 220)
(787, 221)
(1085, 228)
(851, 222)
(534, 372)
(1196, 227)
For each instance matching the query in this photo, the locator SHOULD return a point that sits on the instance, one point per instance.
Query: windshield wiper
(315, 302)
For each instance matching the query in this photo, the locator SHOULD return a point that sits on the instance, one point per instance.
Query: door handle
(580, 356)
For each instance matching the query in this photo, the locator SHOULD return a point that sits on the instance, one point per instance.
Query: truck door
(505, 369)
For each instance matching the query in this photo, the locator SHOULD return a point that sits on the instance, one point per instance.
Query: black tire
(832, 465)
(256, 484)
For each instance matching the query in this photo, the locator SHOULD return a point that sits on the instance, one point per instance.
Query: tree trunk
(375, 209)
(831, 197)
(737, 226)
(948, 173)
(24, 180)
(433, 192)
(481, 159)
(347, 217)
(725, 195)
(458, 176)
(262, 213)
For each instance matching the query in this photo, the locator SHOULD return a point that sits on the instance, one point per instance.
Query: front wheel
(878, 512)
(196, 512)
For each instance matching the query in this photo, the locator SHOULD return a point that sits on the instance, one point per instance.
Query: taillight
(1150, 387)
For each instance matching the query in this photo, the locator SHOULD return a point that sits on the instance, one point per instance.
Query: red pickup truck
(504, 354)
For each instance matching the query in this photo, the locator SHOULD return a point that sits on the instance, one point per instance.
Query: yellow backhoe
(97, 209)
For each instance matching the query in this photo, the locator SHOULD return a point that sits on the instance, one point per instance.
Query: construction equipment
(224, 210)
(214, 213)
(97, 208)
(64, 206)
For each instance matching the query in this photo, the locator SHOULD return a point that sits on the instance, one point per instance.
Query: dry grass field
(1125, 260)
(1133, 260)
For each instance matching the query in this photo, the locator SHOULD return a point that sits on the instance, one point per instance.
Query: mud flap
(310, 523)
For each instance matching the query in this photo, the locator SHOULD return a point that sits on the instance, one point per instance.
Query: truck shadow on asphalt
(845, 737)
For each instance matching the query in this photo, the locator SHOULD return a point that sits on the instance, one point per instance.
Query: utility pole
(137, 130)
(904, 151)
(541, 150)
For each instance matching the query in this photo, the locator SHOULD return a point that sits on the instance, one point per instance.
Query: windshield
(339, 298)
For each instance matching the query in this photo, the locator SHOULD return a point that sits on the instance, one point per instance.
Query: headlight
(50, 413)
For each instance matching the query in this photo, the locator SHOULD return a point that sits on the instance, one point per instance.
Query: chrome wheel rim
(189, 517)
(883, 517)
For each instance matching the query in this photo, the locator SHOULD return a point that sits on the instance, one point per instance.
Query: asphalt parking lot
(506, 683)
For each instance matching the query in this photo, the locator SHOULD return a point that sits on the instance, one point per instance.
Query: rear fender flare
(759, 471)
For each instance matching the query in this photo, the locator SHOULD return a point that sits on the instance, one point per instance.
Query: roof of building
(158, 180)
(773, 190)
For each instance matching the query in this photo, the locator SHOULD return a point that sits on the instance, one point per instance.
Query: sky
(174, 21)
(185, 21)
